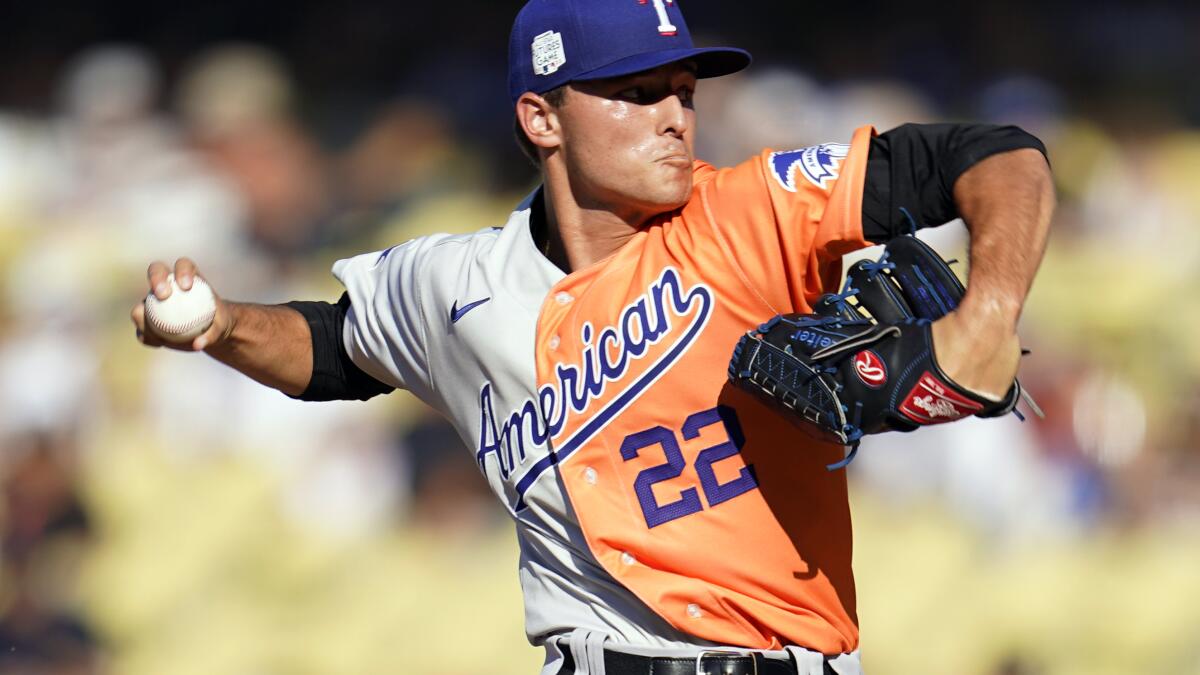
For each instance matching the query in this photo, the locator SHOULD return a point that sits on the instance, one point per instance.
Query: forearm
(1007, 201)
(270, 344)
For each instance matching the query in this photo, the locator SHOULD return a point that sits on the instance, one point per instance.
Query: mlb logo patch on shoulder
(820, 164)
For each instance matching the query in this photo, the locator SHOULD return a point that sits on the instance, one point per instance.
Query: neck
(578, 234)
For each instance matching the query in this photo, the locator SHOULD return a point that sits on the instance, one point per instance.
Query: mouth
(676, 160)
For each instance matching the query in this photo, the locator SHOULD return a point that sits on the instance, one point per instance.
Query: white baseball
(184, 315)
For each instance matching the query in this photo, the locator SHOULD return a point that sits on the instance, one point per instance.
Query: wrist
(227, 317)
(978, 349)
(989, 313)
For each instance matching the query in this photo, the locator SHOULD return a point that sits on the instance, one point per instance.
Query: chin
(673, 194)
(680, 202)
(657, 194)
(660, 203)
(681, 198)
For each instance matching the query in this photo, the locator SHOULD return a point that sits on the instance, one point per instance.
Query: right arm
(271, 344)
(295, 348)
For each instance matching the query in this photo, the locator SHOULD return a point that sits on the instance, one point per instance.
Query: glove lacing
(874, 268)
(853, 435)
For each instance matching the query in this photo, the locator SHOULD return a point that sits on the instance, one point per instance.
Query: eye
(632, 94)
(686, 94)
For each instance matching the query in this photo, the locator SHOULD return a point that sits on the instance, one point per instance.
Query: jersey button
(554, 342)
(590, 476)
(693, 611)
(564, 298)
(628, 558)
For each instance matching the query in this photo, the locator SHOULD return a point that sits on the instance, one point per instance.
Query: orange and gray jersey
(654, 503)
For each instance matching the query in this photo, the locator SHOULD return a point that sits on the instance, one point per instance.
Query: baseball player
(668, 523)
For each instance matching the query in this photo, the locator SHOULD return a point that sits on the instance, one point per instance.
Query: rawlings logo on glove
(870, 369)
(863, 361)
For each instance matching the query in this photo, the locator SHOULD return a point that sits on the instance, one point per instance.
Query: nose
(672, 116)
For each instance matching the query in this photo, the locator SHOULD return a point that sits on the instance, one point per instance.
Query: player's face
(628, 141)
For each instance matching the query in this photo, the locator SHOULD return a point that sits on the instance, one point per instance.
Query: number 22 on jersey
(715, 492)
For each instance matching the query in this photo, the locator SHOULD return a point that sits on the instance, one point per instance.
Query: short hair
(556, 97)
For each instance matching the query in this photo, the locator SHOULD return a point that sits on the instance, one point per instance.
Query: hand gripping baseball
(194, 319)
(863, 362)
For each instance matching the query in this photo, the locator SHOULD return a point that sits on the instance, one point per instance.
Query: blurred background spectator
(161, 514)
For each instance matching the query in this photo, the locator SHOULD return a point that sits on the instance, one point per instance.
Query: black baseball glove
(862, 362)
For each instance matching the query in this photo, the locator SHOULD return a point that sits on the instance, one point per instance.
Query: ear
(539, 120)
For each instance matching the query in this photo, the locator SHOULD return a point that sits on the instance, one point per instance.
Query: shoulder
(433, 268)
(704, 173)
(420, 251)
(444, 247)
(789, 170)
(742, 181)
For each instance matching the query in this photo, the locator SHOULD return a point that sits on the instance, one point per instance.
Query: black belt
(620, 663)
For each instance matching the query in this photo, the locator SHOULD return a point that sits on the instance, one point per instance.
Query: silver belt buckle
(726, 651)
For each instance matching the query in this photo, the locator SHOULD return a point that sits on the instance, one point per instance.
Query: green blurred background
(162, 515)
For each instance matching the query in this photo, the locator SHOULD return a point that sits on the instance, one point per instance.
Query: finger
(156, 274)
(206, 338)
(138, 316)
(215, 331)
(185, 271)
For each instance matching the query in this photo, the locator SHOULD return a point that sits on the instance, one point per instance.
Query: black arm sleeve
(914, 167)
(334, 377)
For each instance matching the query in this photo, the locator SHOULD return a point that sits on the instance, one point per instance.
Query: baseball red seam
(162, 327)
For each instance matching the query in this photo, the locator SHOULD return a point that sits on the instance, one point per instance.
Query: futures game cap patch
(548, 53)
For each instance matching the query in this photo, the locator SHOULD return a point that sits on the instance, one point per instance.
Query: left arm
(1007, 201)
(998, 180)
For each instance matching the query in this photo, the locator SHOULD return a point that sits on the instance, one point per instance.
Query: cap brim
(710, 62)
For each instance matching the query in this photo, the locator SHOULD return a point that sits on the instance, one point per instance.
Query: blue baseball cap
(554, 42)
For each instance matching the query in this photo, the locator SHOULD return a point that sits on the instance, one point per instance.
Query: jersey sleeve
(788, 217)
(384, 330)
(912, 169)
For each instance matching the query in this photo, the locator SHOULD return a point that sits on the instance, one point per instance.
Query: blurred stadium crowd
(161, 514)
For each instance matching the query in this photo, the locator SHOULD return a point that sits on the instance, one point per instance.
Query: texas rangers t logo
(665, 26)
